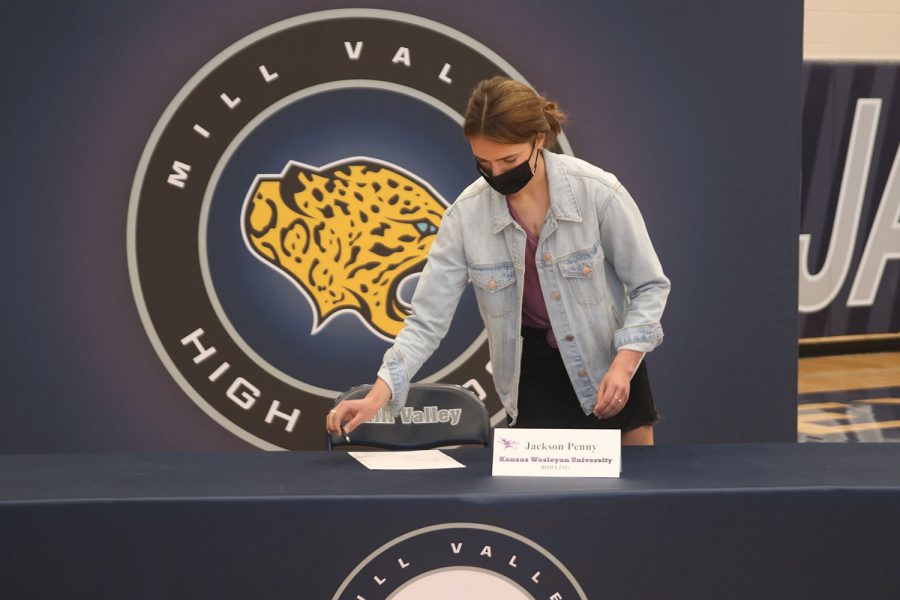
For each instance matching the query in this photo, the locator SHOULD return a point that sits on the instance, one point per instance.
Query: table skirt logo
(460, 560)
(284, 205)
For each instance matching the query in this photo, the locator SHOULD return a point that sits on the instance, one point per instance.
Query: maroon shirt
(534, 309)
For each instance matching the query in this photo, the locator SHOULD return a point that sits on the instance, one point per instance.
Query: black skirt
(547, 399)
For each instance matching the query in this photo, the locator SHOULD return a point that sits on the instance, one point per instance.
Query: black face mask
(513, 180)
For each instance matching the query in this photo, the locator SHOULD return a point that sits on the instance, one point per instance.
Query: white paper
(557, 452)
(406, 460)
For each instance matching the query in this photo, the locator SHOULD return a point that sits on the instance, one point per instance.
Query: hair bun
(507, 111)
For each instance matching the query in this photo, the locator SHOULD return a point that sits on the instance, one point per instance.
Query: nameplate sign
(557, 452)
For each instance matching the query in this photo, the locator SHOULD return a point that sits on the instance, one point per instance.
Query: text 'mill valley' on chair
(435, 415)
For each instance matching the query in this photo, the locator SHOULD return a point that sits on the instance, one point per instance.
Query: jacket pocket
(494, 289)
(583, 273)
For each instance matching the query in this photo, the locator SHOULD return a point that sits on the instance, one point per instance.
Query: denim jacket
(603, 284)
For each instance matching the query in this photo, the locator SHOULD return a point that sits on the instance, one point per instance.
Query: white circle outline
(515, 584)
(206, 207)
(175, 104)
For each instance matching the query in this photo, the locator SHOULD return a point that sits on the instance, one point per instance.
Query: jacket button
(556, 295)
(546, 257)
(570, 337)
(582, 373)
(492, 284)
(586, 270)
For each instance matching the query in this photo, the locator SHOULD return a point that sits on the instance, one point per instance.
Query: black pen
(344, 433)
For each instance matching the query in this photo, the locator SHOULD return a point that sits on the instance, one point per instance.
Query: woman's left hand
(613, 393)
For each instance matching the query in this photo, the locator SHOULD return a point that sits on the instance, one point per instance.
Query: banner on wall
(283, 208)
(215, 255)
(850, 233)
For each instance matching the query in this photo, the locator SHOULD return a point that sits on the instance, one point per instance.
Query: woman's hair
(508, 111)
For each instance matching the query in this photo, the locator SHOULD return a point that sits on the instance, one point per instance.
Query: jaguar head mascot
(346, 234)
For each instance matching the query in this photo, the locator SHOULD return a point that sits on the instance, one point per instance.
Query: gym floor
(849, 398)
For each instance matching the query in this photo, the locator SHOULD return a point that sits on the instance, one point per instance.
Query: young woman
(565, 276)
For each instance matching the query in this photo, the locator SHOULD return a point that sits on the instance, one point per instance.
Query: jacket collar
(563, 205)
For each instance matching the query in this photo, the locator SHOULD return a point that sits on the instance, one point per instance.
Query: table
(729, 521)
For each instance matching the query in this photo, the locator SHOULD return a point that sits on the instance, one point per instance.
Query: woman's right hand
(350, 413)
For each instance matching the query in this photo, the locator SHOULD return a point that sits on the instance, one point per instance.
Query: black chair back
(435, 414)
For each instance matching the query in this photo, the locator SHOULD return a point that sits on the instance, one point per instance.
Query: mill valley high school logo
(283, 208)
